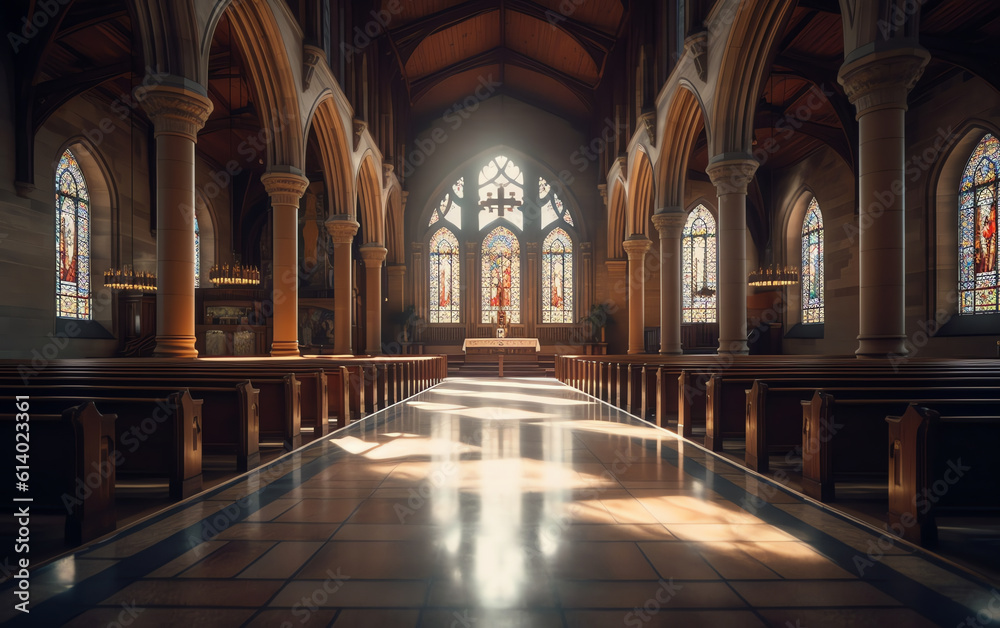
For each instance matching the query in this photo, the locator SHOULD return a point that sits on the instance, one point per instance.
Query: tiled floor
(515, 503)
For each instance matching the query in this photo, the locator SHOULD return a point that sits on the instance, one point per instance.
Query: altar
(520, 351)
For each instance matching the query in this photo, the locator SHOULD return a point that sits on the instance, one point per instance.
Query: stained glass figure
(557, 278)
(977, 233)
(445, 278)
(501, 171)
(813, 281)
(501, 276)
(72, 240)
(197, 254)
(700, 267)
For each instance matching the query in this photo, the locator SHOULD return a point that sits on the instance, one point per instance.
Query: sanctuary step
(489, 366)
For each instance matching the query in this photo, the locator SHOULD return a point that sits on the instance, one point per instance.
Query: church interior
(500, 313)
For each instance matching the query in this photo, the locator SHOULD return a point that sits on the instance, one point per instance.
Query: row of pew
(85, 425)
(927, 429)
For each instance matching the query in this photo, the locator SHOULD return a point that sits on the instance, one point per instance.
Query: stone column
(178, 109)
(285, 188)
(373, 254)
(342, 229)
(731, 176)
(636, 247)
(877, 84)
(670, 223)
(617, 282)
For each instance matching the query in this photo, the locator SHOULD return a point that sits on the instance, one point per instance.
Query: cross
(501, 202)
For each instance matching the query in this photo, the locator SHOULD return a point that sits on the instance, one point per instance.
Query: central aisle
(485, 503)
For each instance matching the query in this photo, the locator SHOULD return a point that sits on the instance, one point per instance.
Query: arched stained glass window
(700, 266)
(501, 171)
(445, 278)
(501, 276)
(813, 282)
(557, 277)
(197, 254)
(977, 230)
(72, 240)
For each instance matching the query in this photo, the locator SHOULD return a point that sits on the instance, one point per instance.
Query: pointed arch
(641, 194)
(336, 154)
(369, 185)
(617, 215)
(685, 121)
(978, 268)
(271, 75)
(73, 219)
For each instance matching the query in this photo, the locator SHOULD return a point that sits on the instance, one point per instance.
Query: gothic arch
(641, 194)
(209, 229)
(369, 188)
(685, 119)
(271, 76)
(617, 218)
(168, 32)
(336, 154)
(791, 246)
(746, 61)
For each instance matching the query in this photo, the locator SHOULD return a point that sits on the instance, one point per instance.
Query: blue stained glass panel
(557, 278)
(813, 280)
(699, 267)
(977, 234)
(72, 240)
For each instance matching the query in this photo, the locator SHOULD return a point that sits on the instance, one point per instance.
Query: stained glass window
(557, 278)
(501, 171)
(977, 230)
(197, 254)
(813, 282)
(552, 206)
(445, 278)
(699, 267)
(501, 276)
(72, 240)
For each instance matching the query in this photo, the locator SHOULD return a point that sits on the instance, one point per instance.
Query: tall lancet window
(977, 230)
(700, 267)
(501, 276)
(557, 277)
(445, 278)
(813, 282)
(197, 254)
(72, 240)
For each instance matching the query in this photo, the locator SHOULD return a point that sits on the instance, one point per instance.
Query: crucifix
(501, 203)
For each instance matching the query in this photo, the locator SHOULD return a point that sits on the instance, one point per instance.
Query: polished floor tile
(492, 503)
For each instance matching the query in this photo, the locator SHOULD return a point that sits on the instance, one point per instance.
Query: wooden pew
(942, 460)
(72, 460)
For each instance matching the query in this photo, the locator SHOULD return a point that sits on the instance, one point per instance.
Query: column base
(881, 347)
(733, 347)
(175, 347)
(636, 351)
(673, 350)
(284, 348)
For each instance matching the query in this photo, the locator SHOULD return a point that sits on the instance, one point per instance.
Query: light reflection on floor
(500, 503)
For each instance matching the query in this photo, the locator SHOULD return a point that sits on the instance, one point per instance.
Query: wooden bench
(72, 463)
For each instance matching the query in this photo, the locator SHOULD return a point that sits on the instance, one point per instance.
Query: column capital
(374, 254)
(732, 176)
(175, 109)
(670, 222)
(284, 188)
(342, 228)
(396, 270)
(617, 265)
(636, 246)
(882, 80)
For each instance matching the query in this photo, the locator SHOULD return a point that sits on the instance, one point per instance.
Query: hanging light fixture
(125, 277)
(772, 275)
(235, 274)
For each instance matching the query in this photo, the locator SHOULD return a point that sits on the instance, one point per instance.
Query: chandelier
(771, 276)
(127, 278)
(234, 275)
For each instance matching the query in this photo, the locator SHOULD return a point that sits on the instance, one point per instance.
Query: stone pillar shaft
(373, 254)
(670, 224)
(636, 247)
(285, 190)
(342, 229)
(731, 178)
(877, 84)
(178, 112)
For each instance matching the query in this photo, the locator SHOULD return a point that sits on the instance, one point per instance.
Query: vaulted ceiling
(550, 53)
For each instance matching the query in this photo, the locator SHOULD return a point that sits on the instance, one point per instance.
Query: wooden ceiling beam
(597, 43)
(408, 37)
